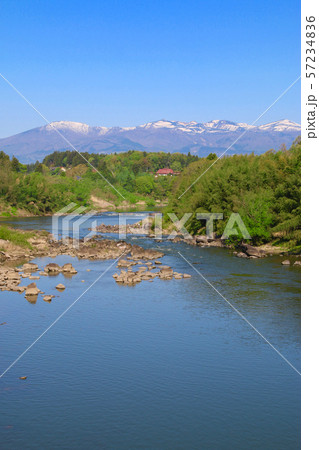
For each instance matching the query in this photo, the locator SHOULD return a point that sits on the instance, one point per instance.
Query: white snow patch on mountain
(162, 135)
(281, 125)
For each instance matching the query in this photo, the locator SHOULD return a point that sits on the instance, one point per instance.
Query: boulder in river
(250, 250)
(286, 262)
(166, 273)
(52, 268)
(241, 255)
(31, 291)
(60, 287)
(69, 268)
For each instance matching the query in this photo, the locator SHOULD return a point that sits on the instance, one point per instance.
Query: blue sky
(129, 62)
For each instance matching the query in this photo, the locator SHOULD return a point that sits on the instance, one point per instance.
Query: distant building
(164, 172)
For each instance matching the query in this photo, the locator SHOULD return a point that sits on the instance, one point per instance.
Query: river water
(161, 365)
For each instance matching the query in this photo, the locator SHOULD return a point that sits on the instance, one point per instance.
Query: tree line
(264, 189)
(64, 177)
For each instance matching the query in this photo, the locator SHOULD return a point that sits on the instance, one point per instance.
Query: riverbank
(98, 205)
(19, 246)
(241, 250)
(25, 245)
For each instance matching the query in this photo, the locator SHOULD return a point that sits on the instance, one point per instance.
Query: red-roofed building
(164, 172)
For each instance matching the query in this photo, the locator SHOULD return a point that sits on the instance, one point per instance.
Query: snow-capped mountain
(162, 135)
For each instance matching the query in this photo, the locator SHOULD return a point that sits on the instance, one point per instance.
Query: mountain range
(163, 135)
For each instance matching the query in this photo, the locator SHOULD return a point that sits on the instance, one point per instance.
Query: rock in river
(250, 250)
(241, 255)
(52, 268)
(69, 268)
(32, 289)
(286, 262)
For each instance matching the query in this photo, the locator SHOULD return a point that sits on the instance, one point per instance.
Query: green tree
(15, 164)
(144, 184)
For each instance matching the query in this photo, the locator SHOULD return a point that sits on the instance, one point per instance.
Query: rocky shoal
(11, 278)
(128, 255)
(94, 248)
(147, 272)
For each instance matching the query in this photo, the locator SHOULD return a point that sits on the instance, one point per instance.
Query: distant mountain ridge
(162, 135)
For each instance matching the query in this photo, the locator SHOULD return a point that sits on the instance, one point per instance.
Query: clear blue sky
(129, 62)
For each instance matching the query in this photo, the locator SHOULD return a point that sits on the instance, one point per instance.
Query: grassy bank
(16, 237)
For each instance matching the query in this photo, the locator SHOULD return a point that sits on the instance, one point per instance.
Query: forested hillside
(65, 177)
(265, 190)
(131, 171)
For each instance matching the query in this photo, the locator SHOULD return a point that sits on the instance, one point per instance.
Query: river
(161, 365)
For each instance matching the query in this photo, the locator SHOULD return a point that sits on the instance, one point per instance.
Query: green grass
(15, 236)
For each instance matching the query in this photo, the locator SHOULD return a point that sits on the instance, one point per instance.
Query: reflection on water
(160, 365)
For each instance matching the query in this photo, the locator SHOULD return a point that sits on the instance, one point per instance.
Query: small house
(164, 172)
